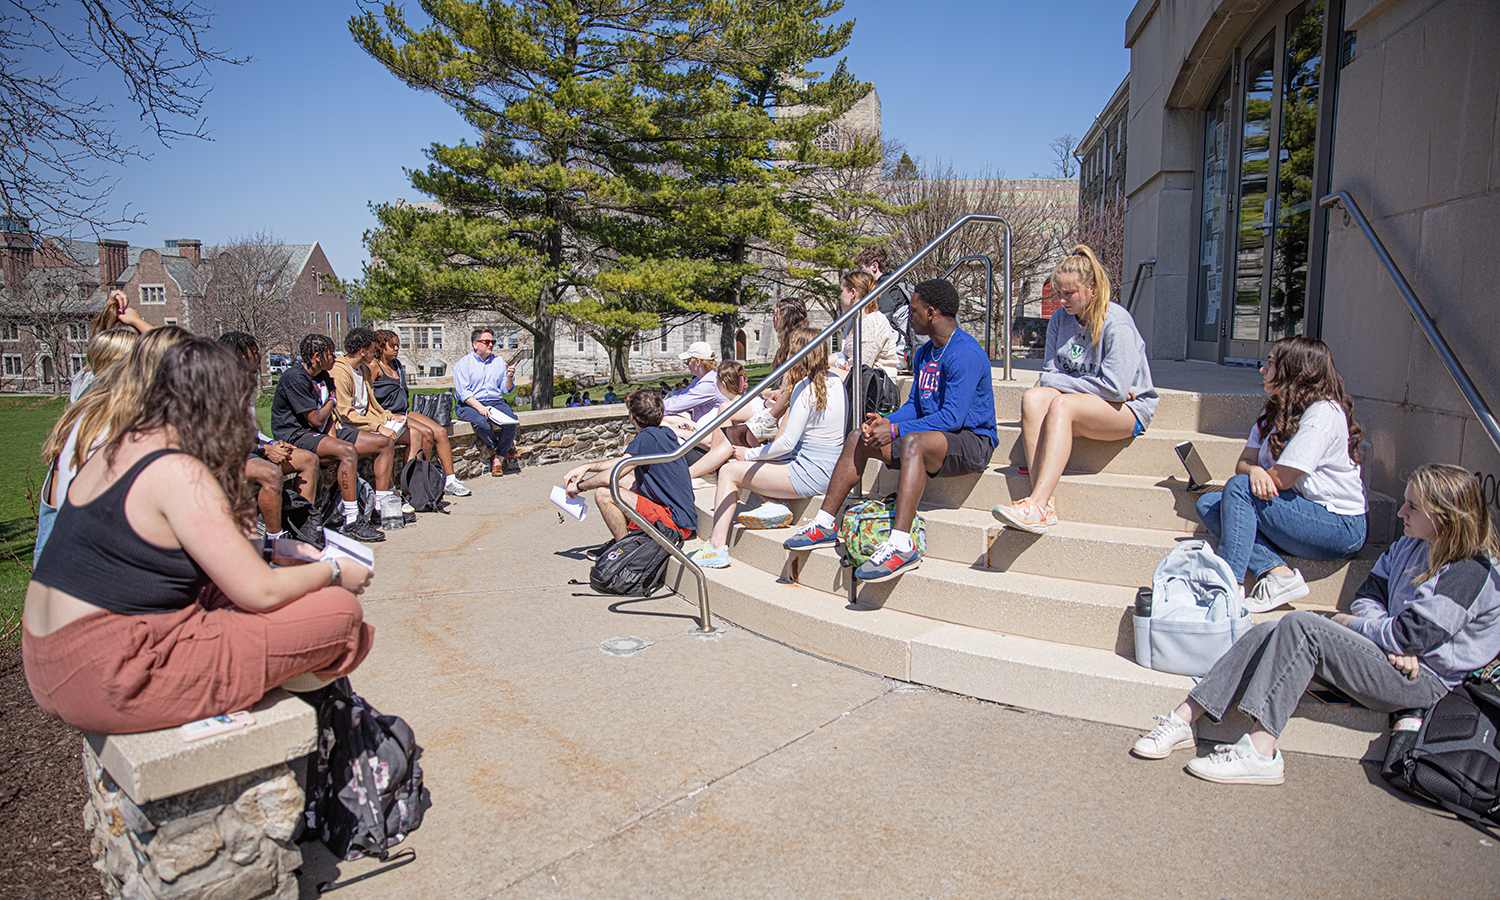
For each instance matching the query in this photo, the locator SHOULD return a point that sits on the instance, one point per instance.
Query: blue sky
(312, 131)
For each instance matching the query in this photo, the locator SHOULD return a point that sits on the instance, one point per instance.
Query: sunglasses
(486, 343)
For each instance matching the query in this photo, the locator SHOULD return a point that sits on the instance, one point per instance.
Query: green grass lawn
(24, 423)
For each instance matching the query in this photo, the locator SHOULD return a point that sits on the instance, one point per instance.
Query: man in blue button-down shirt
(481, 380)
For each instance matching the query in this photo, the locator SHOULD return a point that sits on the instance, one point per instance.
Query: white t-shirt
(1320, 448)
(804, 424)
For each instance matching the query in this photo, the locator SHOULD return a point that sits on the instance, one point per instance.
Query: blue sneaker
(887, 562)
(809, 536)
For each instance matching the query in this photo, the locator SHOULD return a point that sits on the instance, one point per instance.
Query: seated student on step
(878, 347)
(731, 383)
(798, 464)
(85, 426)
(116, 638)
(760, 420)
(1095, 384)
(270, 460)
(1297, 487)
(480, 382)
(391, 394)
(660, 492)
(1428, 614)
(946, 427)
(302, 414)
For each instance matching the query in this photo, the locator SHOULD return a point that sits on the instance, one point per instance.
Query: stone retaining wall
(226, 841)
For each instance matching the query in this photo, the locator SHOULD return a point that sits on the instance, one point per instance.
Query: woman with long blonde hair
(1428, 614)
(1095, 384)
(799, 462)
(878, 347)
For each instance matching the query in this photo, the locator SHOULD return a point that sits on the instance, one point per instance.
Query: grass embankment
(24, 423)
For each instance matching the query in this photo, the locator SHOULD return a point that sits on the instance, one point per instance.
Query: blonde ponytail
(1083, 265)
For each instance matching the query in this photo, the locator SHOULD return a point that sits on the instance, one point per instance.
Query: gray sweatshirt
(1451, 620)
(1116, 369)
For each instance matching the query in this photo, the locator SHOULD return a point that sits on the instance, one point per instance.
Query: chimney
(114, 256)
(15, 250)
(190, 249)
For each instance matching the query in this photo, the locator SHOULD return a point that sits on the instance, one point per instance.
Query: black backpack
(364, 791)
(300, 519)
(1453, 760)
(881, 395)
(422, 482)
(634, 565)
(331, 515)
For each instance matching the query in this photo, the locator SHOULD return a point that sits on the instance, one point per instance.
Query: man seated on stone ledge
(660, 492)
(303, 415)
(946, 427)
(480, 382)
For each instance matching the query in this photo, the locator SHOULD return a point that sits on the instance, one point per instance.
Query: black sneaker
(361, 530)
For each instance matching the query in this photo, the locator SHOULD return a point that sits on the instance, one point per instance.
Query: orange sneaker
(1025, 515)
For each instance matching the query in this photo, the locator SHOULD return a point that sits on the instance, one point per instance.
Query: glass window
(10, 331)
(76, 362)
(153, 294)
(1214, 214)
(437, 337)
(664, 339)
(12, 364)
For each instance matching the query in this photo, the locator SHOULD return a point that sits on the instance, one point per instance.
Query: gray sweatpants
(1266, 671)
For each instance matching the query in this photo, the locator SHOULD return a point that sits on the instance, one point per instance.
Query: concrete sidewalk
(737, 767)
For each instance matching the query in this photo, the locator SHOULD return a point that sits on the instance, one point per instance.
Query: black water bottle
(1143, 602)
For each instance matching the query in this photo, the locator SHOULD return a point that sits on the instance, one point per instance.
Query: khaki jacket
(368, 417)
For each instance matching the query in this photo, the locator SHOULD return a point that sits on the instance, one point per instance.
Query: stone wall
(226, 841)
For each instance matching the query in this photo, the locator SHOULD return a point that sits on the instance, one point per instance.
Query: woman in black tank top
(389, 382)
(124, 627)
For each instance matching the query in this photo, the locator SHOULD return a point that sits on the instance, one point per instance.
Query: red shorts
(652, 511)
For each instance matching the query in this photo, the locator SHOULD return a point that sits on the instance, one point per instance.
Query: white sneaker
(456, 488)
(1271, 591)
(1166, 738)
(1238, 763)
(767, 515)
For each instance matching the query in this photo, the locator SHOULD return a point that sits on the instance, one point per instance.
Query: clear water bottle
(390, 513)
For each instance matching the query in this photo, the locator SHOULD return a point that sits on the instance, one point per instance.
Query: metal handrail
(989, 292)
(1418, 312)
(1134, 285)
(705, 623)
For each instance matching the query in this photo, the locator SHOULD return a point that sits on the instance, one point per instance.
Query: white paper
(396, 426)
(577, 507)
(339, 546)
(500, 418)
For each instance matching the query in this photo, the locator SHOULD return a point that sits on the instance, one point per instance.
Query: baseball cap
(697, 350)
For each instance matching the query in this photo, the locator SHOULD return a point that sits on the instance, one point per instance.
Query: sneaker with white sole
(1271, 591)
(1238, 763)
(456, 488)
(1166, 738)
(887, 562)
(1025, 515)
(767, 515)
(708, 557)
(810, 536)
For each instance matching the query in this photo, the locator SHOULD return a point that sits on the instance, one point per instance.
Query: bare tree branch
(1063, 160)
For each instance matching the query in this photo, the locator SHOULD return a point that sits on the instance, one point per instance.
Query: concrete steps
(1052, 677)
(1041, 622)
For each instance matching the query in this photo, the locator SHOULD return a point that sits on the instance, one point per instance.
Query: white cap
(697, 350)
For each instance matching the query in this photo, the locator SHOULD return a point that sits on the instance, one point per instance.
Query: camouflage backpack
(868, 522)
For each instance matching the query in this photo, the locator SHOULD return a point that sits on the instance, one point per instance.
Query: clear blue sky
(312, 131)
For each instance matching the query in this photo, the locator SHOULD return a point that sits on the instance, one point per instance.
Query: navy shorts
(967, 453)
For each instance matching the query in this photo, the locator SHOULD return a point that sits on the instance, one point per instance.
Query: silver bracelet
(336, 573)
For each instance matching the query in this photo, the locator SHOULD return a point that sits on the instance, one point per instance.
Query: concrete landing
(737, 767)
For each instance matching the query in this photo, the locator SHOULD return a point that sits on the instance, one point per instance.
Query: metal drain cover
(623, 646)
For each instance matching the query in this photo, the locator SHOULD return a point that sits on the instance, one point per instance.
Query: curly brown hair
(201, 395)
(1304, 375)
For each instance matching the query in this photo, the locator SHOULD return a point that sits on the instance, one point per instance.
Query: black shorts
(307, 439)
(967, 453)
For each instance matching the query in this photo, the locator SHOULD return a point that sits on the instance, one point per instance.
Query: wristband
(893, 433)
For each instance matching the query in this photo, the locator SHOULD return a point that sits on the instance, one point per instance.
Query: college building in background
(1243, 114)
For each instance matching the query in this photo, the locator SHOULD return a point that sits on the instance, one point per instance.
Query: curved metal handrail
(1418, 312)
(705, 623)
(989, 291)
(1135, 284)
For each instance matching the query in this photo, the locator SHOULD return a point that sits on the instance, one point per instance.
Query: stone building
(1243, 114)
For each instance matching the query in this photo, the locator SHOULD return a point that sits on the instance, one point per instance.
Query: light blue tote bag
(1197, 612)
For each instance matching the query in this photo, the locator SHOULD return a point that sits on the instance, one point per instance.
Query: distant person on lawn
(946, 427)
(480, 382)
(303, 415)
(660, 492)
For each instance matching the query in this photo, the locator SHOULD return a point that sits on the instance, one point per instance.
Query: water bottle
(390, 513)
(1143, 602)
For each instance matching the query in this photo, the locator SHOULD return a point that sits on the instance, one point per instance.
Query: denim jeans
(498, 438)
(1253, 532)
(1266, 671)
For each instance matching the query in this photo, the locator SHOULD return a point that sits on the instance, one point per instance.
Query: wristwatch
(336, 573)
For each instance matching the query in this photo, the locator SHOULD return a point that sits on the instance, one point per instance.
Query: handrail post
(1143, 264)
(1419, 312)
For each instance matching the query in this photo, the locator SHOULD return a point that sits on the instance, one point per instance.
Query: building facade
(1243, 115)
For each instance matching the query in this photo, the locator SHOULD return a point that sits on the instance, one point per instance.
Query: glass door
(1263, 162)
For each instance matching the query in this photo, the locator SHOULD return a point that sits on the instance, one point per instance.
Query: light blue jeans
(1253, 532)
